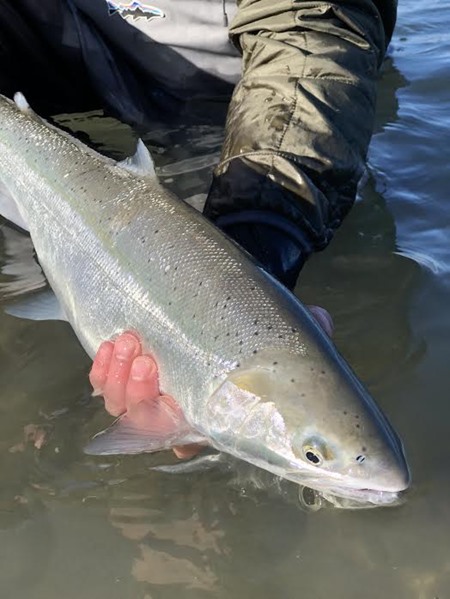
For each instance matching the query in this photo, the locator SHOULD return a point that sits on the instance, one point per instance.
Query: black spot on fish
(241, 342)
(156, 231)
(255, 351)
(363, 448)
(269, 328)
(322, 372)
(292, 380)
(356, 416)
(275, 363)
(255, 321)
(256, 333)
(358, 426)
(280, 336)
(200, 284)
(228, 298)
(293, 330)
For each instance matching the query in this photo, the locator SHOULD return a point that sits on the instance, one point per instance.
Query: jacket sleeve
(301, 117)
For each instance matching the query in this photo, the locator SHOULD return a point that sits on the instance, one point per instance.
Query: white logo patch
(136, 9)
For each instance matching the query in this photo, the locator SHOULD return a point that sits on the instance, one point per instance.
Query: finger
(100, 367)
(184, 452)
(323, 317)
(143, 381)
(126, 349)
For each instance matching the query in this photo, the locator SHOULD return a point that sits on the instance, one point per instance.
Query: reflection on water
(75, 526)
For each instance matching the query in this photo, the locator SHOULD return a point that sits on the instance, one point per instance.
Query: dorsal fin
(21, 102)
(140, 163)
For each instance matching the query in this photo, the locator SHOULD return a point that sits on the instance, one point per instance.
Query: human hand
(128, 381)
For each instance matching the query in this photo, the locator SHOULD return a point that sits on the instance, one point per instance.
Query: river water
(74, 526)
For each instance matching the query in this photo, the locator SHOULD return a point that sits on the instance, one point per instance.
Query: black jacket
(300, 117)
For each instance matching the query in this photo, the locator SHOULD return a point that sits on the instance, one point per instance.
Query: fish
(128, 7)
(253, 373)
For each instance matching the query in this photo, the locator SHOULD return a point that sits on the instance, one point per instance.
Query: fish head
(309, 419)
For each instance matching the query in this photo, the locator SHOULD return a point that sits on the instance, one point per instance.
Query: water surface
(75, 526)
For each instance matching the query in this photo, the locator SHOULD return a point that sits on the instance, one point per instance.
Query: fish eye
(312, 455)
(312, 449)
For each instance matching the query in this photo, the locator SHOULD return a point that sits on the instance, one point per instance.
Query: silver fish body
(250, 368)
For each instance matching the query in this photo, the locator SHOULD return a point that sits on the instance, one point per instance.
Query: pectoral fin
(200, 463)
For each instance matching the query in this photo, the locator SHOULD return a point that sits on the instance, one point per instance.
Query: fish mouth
(355, 497)
(312, 500)
(362, 498)
(348, 494)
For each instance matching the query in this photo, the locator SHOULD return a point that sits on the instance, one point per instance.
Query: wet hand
(324, 319)
(128, 381)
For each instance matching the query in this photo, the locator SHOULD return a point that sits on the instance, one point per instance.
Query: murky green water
(73, 526)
